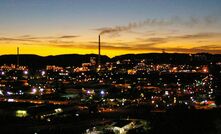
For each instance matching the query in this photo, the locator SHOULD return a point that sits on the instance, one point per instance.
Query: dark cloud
(116, 47)
(69, 36)
(197, 36)
(122, 46)
(34, 37)
(16, 39)
(60, 42)
(146, 45)
(113, 44)
(157, 40)
(64, 46)
(209, 47)
(29, 38)
(160, 40)
(93, 46)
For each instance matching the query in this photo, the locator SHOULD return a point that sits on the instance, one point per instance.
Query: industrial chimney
(99, 51)
(17, 57)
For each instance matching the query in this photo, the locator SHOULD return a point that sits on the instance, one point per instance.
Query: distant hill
(36, 61)
(172, 58)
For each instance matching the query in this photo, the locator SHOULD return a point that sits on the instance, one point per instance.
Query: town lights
(102, 92)
(34, 90)
(25, 72)
(41, 89)
(43, 73)
(21, 113)
(58, 110)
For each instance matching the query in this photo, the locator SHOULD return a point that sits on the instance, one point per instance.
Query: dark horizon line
(113, 56)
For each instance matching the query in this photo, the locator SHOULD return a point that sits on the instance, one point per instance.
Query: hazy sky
(50, 27)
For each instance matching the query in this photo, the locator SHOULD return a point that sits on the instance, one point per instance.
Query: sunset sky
(52, 27)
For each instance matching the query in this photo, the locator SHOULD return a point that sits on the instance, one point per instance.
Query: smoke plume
(189, 22)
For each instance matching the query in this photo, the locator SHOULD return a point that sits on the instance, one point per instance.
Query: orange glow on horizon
(111, 46)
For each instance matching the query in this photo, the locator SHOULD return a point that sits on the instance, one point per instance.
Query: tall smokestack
(17, 56)
(99, 50)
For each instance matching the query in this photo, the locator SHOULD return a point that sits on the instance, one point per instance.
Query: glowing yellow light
(21, 113)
